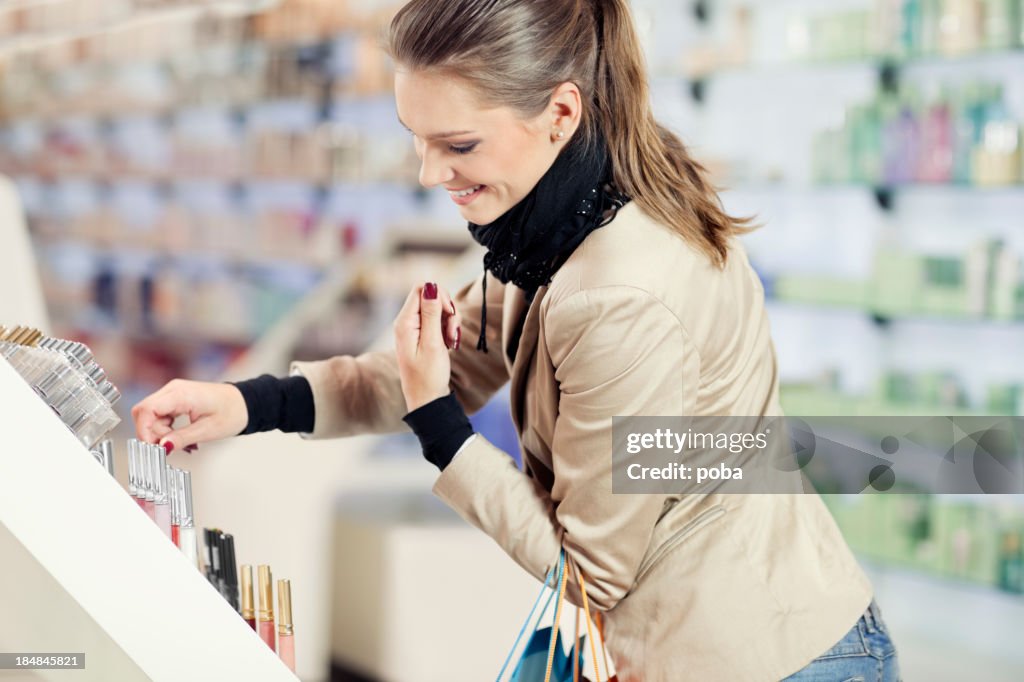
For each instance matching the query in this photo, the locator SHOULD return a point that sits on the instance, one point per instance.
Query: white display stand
(89, 569)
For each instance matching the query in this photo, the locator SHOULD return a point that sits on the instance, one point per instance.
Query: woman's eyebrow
(440, 136)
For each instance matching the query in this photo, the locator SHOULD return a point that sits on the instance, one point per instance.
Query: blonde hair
(516, 52)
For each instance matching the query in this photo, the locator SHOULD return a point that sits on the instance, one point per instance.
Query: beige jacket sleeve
(616, 351)
(363, 394)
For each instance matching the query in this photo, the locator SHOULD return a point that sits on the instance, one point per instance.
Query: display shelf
(133, 586)
(811, 401)
(130, 243)
(902, 188)
(172, 179)
(760, 69)
(884, 318)
(28, 40)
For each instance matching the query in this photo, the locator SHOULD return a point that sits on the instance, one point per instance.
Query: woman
(614, 285)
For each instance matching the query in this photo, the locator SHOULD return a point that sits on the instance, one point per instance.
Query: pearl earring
(560, 134)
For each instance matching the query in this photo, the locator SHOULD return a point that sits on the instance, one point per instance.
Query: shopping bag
(532, 665)
(544, 659)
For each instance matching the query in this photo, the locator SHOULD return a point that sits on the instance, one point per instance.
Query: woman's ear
(566, 109)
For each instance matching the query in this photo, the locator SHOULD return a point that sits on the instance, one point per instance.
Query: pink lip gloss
(187, 532)
(172, 490)
(267, 607)
(285, 631)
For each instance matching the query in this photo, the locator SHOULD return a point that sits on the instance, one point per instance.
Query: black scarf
(528, 244)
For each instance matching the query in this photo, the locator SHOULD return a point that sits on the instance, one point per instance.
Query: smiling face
(487, 158)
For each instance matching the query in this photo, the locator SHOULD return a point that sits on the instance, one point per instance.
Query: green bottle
(1001, 24)
(931, 27)
(1011, 563)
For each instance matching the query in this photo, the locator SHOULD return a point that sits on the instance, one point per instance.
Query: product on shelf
(975, 542)
(248, 604)
(187, 531)
(285, 628)
(66, 376)
(104, 454)
(985, 283)
(965, 137)
(1011, 563)
(903, 29)
(903, 393)
(172, 479)
(164, 493)
(266, 613)
(145, 460)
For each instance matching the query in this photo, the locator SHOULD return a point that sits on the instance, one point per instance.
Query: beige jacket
(636, 322)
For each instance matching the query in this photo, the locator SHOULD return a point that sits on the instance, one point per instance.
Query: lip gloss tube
(213, 542)
(135, 455)
(220, 548)
(105, 456)
(267, 607)
(230, 570)
(162, 510)
(147, 463)
(172, 489)
(208, 553)
(285, 631)
(248, 609)
(131, 468)
(187, 531)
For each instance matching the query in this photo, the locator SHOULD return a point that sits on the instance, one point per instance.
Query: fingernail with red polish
(458, 337)
(430, 291)
(191, 448)
(168, 447)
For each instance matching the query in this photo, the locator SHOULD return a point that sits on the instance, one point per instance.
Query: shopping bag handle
(560, 575)
(581, 581)
(555, 576)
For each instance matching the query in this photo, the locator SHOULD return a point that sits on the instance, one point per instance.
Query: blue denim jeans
(864, 654)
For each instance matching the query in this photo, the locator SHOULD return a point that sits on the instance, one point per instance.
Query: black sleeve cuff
(442, 427)
(283, 404)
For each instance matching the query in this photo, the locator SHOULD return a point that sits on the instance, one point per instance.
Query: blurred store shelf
(837, 66)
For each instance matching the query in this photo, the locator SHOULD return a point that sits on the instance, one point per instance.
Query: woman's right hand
(215, 411)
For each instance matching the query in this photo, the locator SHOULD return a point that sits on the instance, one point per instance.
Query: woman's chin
(479, 215)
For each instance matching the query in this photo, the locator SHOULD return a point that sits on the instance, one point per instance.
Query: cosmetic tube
(105, 456)
(172, 493)
(131, 468)
(208, 555)
(135, 454)
(285, 631)
(187, 531)
(216, 569)
(266, 607)
(248, 608)
(162, 510)
(147, 469)
(230, 570)
(220, 547)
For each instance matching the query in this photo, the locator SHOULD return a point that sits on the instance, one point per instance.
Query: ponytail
(651, 164)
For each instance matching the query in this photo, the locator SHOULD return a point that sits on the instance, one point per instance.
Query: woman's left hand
(426, 327)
